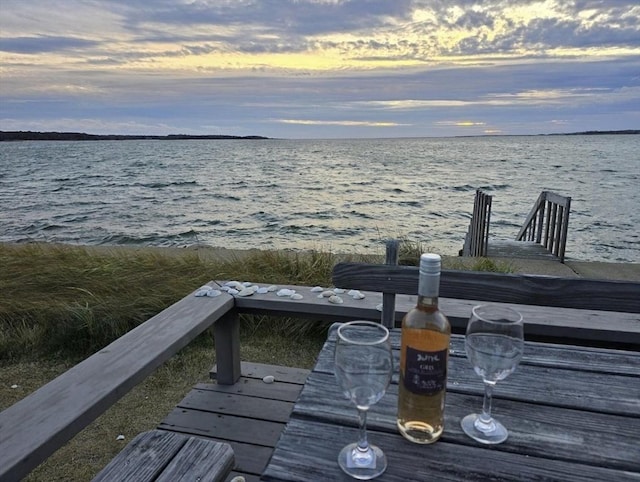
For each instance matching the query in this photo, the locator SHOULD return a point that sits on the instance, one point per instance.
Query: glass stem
(485, 418)
(363, 443)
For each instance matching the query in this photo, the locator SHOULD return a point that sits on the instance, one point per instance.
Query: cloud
(347, 123)
(413, 66)
(43, 44)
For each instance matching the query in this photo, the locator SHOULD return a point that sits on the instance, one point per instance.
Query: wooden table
(573, 414)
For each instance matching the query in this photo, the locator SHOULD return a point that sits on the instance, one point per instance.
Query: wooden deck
(249, 415)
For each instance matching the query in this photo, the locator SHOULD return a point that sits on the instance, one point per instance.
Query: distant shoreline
(81, 136)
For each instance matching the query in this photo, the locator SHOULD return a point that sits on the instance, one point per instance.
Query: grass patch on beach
(60, 303)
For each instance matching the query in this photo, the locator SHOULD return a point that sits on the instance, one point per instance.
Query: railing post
(389, 299)
(226, 332)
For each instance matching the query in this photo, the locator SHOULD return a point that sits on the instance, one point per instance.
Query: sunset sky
(320, 68)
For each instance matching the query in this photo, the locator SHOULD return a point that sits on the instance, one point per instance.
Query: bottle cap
(430, 264)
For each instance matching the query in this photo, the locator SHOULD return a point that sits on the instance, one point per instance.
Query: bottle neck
(428, 290)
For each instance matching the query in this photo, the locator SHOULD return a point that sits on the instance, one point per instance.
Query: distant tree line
(80, 136)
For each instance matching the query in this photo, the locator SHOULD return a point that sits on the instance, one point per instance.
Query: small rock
(233, 291)
(272, 288)
(238, 478)
(379, 307)
(203, 291)
(14, 386)
(269, 379)
(262, 290)
(338, 291)
(358, 296)
(120, 437)
(336, 300)
(246, 292)
(317, 289)
(327, 294)
(234, 284)
(285, 292)
(296, 296)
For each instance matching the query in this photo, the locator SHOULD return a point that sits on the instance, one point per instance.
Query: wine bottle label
(425, 372)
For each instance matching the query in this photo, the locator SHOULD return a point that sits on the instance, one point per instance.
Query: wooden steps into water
(519, 249)
(249, 415)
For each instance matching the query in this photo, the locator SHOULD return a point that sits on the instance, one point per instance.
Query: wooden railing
(547, 223)
(477, 239)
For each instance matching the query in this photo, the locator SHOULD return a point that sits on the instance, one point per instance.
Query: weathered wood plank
(286, 392)
(164, 457)
(621, 296)
(143, 458)
(261, 370)
(241, 405)
(586, 390)
(226, 427)
(35, 427)
(201, 460)
(549, 322)
(412, 462)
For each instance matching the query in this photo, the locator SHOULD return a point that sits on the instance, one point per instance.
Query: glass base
(487, 433)
(362, 465)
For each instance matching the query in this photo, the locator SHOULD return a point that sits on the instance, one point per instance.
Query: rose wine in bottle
(423, 360)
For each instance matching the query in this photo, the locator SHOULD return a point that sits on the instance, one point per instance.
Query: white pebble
(296, 296)
(272, 288)
(214, 293)
(338, 291)
(336, 300)
(327, 294)
(246, 284)
(224, 288)
(285, 292)
(120, 437)
(358, 296)
(204, 291)
(317, 289)
(238, 478)
(262, 290)
(246, 292)
(269, 379)
(233, 291)
(379, 307)
(14, 386)
(234, 284)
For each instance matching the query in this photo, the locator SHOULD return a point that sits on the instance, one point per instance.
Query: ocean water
(338, 195)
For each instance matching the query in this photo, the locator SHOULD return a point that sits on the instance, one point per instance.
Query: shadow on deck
(249, 415)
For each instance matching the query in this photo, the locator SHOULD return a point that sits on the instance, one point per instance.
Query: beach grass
(61, 303)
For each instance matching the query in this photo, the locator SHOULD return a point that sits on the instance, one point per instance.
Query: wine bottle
(423, 360)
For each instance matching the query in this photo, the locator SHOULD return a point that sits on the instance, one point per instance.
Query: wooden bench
(160, 456)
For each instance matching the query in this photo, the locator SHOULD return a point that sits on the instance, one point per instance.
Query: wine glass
(363, 368)
(494, 344)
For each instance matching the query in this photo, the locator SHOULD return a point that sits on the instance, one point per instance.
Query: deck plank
(249, 415)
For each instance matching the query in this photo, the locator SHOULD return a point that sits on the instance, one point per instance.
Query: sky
(320, 68)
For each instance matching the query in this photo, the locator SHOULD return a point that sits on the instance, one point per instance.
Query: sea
(343, 196)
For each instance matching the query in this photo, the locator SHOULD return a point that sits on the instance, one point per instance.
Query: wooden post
(389, 299)
(226, 332)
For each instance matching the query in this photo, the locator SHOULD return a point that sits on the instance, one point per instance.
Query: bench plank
(35, 427)
(159, 456)
(581, 293)
(570, 324)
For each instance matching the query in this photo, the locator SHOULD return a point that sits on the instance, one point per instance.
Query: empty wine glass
(363, 368)
(494, 344)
